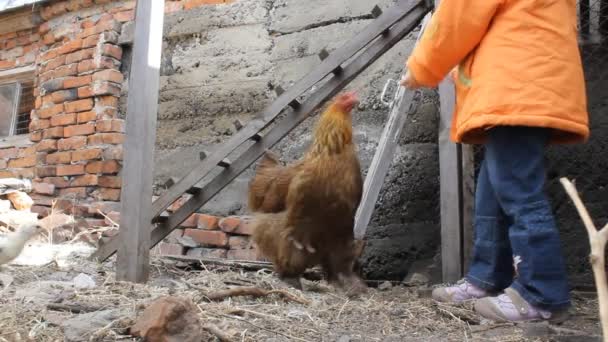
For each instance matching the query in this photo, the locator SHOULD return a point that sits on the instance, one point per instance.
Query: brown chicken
(268, 188)
(322, 197)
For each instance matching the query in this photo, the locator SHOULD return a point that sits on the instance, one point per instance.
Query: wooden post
(142, 105)
(455, 171)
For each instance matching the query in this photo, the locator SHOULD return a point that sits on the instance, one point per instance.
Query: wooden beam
(456, 199)
(399, 111)
(142, 106)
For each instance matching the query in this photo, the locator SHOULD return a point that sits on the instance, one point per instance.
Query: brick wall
(74, 152)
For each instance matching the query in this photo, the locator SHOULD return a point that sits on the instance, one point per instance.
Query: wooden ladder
(332, 75)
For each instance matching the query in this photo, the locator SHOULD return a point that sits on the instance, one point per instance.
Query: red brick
(59, 158)
(58, 182)
(208, 222)
(7, 174)
(105, 113)
(53, 132)
(63, 120)
(28, 151)
(79, 106)
(189, 4)
(109, 101)
(89, 154)
(190, 222)
(46, 113)
(106, 138)
(36, 125)
(239, 242)
(6, 153)
(105, 88)
(244, 254)
(7, 64)
(173, 6)
(113, 125)
(91, 41)
(36, 136)
(70, 46)
(84, 129)
(108, 166)
(38, 102)
(47, 145)
(107, 194)
(85, 180)
(111, 50)
(86, 116)
(114, 182)
(22, 162)
(230, 224)
(46, 171)
(178, 203)
(48, 55)
(58, 8)
(24, 173)
(217, 253)
(44, 28)
(128, 5)
(113, 153)
(42, 211)
(48, 38)
(125, 16)
(75, 82)
(85, 92)
(80, 55)
(208, 237)
(66, 70)
(72, 143)
(54, 64)
(3, 164)
(108, 75)
(164, 248)
(80, 192)
(70, 170)
(64, 95)
(86, 65)
(104, 207)
(43, 188)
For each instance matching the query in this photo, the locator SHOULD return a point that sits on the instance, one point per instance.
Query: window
(16, 103)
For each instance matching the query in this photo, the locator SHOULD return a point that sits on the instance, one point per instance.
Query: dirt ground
(36, 307)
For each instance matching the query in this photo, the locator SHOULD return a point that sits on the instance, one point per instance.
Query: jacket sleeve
(453, 31)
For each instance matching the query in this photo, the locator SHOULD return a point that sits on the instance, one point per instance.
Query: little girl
(519, 87)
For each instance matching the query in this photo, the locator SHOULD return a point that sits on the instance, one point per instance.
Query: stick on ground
(597, 240)
(254, 292)
(217, 332)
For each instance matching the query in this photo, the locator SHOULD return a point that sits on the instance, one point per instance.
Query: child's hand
(409, 81)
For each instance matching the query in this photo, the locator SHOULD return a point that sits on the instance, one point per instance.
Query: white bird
(12, 244)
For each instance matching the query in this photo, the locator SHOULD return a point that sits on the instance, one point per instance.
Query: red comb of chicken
(346, 101)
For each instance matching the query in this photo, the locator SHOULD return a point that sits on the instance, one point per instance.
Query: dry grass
(397, 314)
(36, 306)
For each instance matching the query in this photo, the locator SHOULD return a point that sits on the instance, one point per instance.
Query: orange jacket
(516, 62)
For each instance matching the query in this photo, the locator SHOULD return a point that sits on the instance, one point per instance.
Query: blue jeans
(513, 218)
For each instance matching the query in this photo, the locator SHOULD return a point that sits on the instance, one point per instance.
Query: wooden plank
(456, 174)
(274, 135)
(267, 116)
(399, 111)
(142, 106)
(451, 237)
